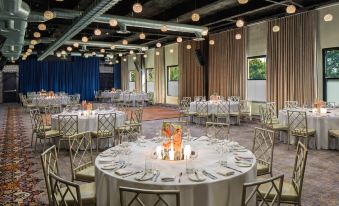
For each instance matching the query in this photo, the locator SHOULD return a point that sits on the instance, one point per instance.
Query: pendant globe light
(291, 9)
(158, 44)
(137, 7)
(97, 32)
(84, 39)
(31, 46)
(42, 27)
(113, 47)
(188, 46)
(102, 50)
(328, 17)
(37, 34)
(76, 44)
(113, 22)
(243, 1)
(34, 42)
(142, 35)
(195, 17)
(211, 42)
(164, 28)
(48, 15)
(157, 53)
(276, 28)
(124, 42)
(179, 39)
(69, 49)
(238, 36)
(240, 23)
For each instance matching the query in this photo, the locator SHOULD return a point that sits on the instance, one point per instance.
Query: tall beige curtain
(290, 59)
(227, 63)
(124, 75)
(138, 75)
(159, 65)
(191, 73)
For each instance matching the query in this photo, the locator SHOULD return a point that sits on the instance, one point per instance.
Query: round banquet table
(213, 107)
(89, 122)
(56, 100)
(225, 190)
(320, 122)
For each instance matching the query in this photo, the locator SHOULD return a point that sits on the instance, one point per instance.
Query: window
(257, 68)
(256, 79)
(150, 76)
(172, 80)
(132, 76)
(331, 74)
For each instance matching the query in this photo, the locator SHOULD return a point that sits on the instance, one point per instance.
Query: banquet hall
(169, 102)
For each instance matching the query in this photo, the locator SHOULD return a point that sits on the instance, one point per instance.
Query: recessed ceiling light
(195, 17)
(240, 23)
(211, 42)
(291, 9)
(328, 17)
(179, 39)
(97, 32)
(243, 1)
(137, 8)
(113, 22)
(238, 36)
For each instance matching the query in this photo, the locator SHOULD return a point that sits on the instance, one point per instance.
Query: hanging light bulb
(42, 27)
(157, 53)
(113, 47)
(240, 23)
(97, 32)
(48, 15)
(144, 48)
(179, 39)
(131, 52)
(76, 44)
(204, 33)
(158, 44)
(276, 28)
(69, 48)
(37, 34)
(113, 22)
(102, 50)
(124, 42)
(117, 61)
(243, 1)
(171, 50)
(134, 58)
(63, 52)
(120, 54)
(34, 42)
(328, 17)
(145, 55)
(188, 46)
(211, 42)
(238, 36)
(164, 28)
(291, 9)
(124, 59)
(93, 53)
(84, 39)
(31, 46)
(195, 17)
(142, 35)
(137, 8)
(58, 54)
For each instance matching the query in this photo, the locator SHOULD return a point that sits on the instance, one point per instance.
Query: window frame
(129, 75)
(248, 66)
(167, 77)
(146, 81)
(324, 50)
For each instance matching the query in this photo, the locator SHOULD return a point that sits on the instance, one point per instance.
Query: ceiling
(217, 15)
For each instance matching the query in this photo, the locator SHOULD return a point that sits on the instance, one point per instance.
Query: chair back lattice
(331, 105)
(39, 124)
(244, 106)
(202, 108)
(297, 123)
(122, 107)
(49, 161)
(299, 168)
(136, 116)
(271, 108)
(224, 107)
(217, 130)
(263, 146)
(272, 192)
(62, 189)
(188, 99)
(233, 98)
(68, 125)
(199, 98)
(162, 197)
(74, 99)
(32, 113)
(53, 109)
(80, 152)
(42, 102)
(106, 124)
(291, 104)
(184, 106)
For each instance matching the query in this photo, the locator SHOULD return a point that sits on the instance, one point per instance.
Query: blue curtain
(117, 76)
(81, 75)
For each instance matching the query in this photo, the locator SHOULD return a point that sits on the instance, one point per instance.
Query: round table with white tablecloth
(213, 107)
(55, 100)
(89, 122)
(320, 122)
(225, 190)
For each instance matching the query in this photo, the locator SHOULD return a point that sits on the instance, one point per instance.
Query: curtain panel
(81, 75)
(290, 59)
(191, 73)
(124, 75)
(159, 65)
(227, 63)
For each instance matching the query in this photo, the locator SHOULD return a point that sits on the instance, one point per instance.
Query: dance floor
(22, 181)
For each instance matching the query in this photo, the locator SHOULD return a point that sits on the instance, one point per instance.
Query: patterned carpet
(16, 166)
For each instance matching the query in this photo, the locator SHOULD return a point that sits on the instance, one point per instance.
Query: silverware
(209, 175)
(145, 173)
(158, 174)
(232, 168)
(196, 174)
(133, 173)
(180, 175)
(196, 138)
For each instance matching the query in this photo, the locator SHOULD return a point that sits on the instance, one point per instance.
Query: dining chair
(105, 128)
(198, 98)
(334, 133)
(262, 148)
(217, 130)
(291, 191)
(245, 109)
(33, 112)
(188, 99)
(291, 104)
(67, 126)
(202, 110)
(80, 150)
(223, 111)
(160, 196)
(271, 122)
(139, 100)
(42, 132)
(51, 110)
(26, 104)
(49, 161)
(128, 101)
(298, 127)
(271, 197)
(184, 110)
(233, 98)
(74, 99)
(331, 105)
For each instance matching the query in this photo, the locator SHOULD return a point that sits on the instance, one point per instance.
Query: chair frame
(291, 104)
(202, 110)
(70, 130)
(223, 107)
(106, 122)
(40, 130)
(219, 127)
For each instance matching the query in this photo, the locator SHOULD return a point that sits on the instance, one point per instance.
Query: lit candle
(159, 152)
(171, 154)
(314, 110)
(323, 110)
(187, 152)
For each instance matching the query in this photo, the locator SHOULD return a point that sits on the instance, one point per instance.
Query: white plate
(193, 177)
(243, 164)
(110, 166)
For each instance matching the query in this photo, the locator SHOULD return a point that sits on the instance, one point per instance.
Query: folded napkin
(197, 177)
(225, 172)
(124, 171)
(167, 178)
(244, 155)
(103, 160)
(110, 166)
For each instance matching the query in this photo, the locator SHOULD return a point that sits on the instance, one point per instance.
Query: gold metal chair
(42, 132)
(223, 111)
(291, 104)
(51, 110)
(160, 195)
(245, 109)
(105, 128)
(128, 100)
(202, 110)
(291, 191)
(184, 110)
(263, 146)
(80, 150)
(188, 99)
(272, 196)
(233, 98)
(334, 133)
(217, 130)
(26, 104)
(68, 126)
(298, 127)
(271, 122)
(74, 99)
(32, 112)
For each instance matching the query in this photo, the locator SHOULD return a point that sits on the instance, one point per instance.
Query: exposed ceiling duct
(125, 22)
(96, 9)
(13, 24)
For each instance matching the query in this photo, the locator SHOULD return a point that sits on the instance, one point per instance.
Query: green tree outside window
(173, 73)
(132, 76)
(150, 75)
(257, 68)
(332, 64)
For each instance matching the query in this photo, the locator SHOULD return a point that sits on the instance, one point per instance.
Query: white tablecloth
(213, 107)
(45, 101)
(126, 96)
(224, 191)
(321, 123)
(90, 123)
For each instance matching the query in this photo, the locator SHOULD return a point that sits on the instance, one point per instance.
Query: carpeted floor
(159, 112)
(22, 182)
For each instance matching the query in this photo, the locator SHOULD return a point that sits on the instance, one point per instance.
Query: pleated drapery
(191, 73)
(227, 63)
(81, 75)
(159, 65)
(290, 59)
(138, 73)
(124, 75)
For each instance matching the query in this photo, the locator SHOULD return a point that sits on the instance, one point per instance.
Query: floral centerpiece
(172, 146)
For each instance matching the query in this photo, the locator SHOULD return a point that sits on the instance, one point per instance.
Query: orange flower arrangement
(169, 130)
